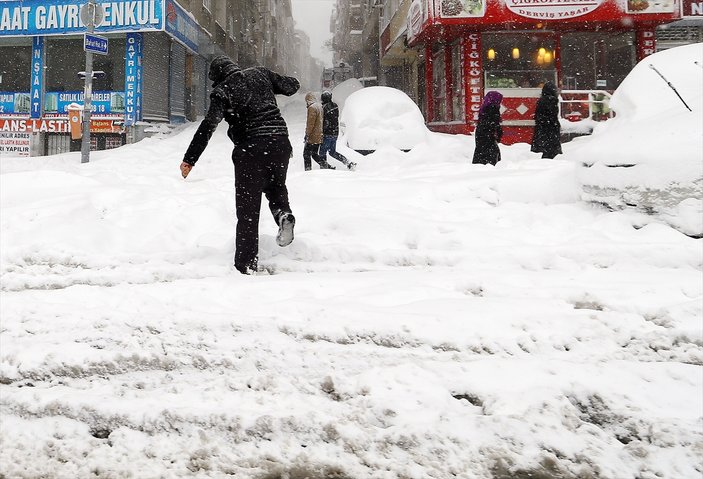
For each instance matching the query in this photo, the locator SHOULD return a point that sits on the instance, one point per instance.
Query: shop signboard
(417, 17)
(646, 42)
(37, 87)
(552, 9)
(62, 17)
(462, 8)
(473, 73)
(14, 144)
(25, 125)
(181, 26)
(650, 6)
(13, 103)
(104, 102)
(692, 8)
(133, 79)
(54, 125)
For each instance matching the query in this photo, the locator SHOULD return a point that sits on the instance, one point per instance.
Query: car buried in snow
(650, 156)
(379, 116)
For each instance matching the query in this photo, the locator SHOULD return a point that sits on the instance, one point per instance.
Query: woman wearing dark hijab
(547, 135)
(488, 131)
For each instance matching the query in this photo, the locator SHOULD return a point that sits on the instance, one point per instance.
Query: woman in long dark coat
(547, 136)
(488, 130)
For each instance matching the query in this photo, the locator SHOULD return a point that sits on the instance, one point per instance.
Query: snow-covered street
(432, 319)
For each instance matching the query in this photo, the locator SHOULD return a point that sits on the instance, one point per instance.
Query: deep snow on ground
(432, 319)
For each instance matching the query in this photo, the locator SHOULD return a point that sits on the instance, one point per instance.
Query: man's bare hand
(185, 169)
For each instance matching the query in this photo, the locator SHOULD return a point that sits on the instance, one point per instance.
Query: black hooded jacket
(330, 123)
(246, 100)
(546, 138)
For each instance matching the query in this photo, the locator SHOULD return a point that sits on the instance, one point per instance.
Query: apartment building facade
(155, 70)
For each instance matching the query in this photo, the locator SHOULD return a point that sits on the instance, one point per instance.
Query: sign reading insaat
(552, 9)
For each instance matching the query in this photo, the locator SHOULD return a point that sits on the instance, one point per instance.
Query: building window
(597, 61)
(518, 60)
(458, 104)
(16, 65)
(65, 58)
(207, 5)
(439, 85)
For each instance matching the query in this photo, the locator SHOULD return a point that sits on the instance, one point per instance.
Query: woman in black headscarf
(547, 135)
(488, 130)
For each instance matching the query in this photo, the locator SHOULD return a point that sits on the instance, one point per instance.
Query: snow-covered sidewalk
(432, 319)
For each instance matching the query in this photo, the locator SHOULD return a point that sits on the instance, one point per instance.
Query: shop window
(458, 104)
(518, 60)
(596, 61)
(15, 67)
(65, 58)
(439, 85)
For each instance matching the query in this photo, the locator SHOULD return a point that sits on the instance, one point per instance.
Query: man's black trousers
(260, 166)
(313, 150)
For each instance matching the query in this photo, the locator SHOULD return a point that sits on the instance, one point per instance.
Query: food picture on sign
(463, 8)
(650, 6)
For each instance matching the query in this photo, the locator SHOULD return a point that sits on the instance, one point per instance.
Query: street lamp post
(88, 89)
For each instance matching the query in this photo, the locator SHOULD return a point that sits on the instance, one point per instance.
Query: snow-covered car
(379, 116)
(650, 156)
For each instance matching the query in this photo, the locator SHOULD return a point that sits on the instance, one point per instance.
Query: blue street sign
(95, 44)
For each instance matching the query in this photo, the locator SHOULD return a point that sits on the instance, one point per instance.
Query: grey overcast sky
(313, 17)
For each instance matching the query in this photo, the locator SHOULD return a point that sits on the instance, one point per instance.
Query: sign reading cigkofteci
(552, 9)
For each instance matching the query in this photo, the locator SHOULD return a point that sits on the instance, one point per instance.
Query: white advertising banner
(552, 9)
(14, 144)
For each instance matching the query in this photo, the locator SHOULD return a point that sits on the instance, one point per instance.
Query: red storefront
(514, 46)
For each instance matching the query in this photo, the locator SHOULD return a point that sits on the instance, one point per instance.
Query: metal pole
(88, 90)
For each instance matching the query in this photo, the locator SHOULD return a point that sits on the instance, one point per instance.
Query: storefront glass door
(518, 60)
(596, 60)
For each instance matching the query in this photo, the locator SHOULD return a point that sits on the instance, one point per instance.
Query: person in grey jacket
(246, 100)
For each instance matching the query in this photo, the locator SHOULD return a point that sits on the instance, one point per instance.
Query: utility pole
(88, 89)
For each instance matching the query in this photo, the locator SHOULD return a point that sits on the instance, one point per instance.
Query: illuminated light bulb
(516, 53)
(491, 54)
(541, 51)
(548, 57)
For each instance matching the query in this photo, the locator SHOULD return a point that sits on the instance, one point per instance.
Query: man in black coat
(546, 138)
(246, 100)
(330, 131)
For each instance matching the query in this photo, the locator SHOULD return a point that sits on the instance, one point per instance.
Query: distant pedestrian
(488, 131)
(313, 134)
(330, 131)
(246, 100)
(547, 135)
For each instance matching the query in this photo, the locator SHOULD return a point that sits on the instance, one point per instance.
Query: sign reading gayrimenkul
(62, 17)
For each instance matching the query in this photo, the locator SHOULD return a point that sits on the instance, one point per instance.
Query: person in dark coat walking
(488, 131)
(330, 131)
(546, 138)
(313, 134)
(246, 100)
